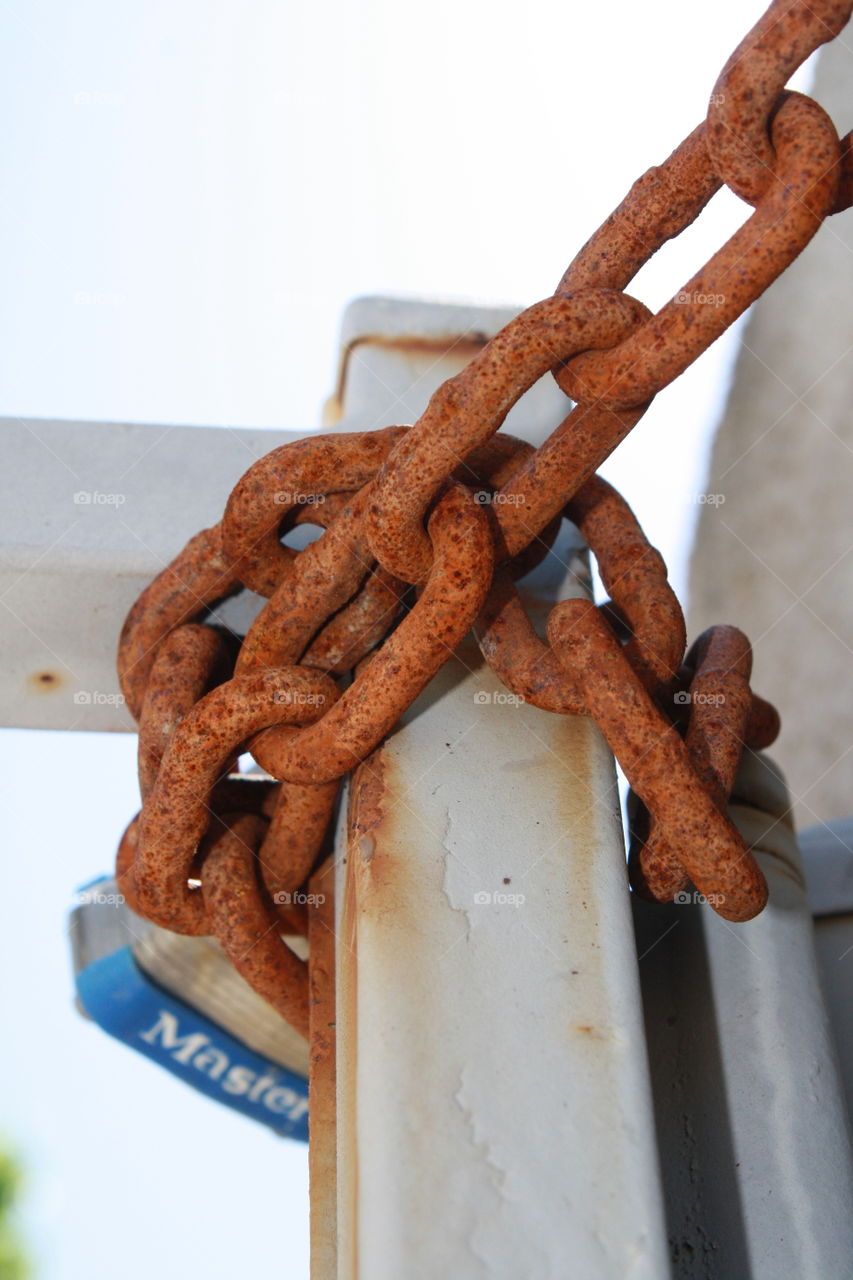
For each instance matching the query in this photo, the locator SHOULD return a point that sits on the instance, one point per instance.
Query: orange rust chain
(723, 717)
(157, 842)
(657, 763)
(635, 575)
(566, 678)
(213, 852)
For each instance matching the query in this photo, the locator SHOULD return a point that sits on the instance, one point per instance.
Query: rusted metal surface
(245, 924)
(499, 1077)
(415, 521)
(657, 764)
(196, 577)
(468, 410)
(453, 593)
(322, 1075)
(286, 480)
(748, 88)
(180, 674)
(801, 195)
(176, 814)
(719, 700)
(635, 575)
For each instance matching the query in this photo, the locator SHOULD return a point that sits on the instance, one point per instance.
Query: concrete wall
(775, 557)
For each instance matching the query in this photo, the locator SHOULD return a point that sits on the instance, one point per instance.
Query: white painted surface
(494, 1109)
(828, 859)
(91, 512)
(751, 1116)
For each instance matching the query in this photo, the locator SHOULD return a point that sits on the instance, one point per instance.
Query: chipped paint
(483, 923)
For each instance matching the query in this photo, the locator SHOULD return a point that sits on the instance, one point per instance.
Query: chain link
(411, 558)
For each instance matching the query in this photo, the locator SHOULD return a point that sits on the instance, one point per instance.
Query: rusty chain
(410, 560)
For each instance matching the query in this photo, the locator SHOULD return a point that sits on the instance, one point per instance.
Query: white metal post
(492, 1094)
(92, 511)
(494, 1114)
(481, 1101)
(750, 1109)
(828, 858)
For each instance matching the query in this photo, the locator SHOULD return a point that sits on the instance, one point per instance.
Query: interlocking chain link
(411, 558)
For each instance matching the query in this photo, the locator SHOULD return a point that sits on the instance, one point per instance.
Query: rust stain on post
(322, 1118)
(45, 681)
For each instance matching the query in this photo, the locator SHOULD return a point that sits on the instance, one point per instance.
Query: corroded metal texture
(285, 480)
(469, 409)
(720, 702)
(749, 85)
(246, 926)
(196, 577)
(181, 673)
(488, 1019)
(801, 194)
(426, 529)
(657, 764)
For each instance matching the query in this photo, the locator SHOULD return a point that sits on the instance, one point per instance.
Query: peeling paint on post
(493, 1102)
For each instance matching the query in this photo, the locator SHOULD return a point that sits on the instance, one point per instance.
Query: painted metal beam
(750, 1109)
(494, 1109)
(828, 858)
(90, 512)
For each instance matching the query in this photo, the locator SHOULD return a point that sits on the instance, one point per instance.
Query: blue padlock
(177, 1000)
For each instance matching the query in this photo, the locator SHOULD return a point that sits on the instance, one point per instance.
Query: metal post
(494, 1110)
(750, 1111)
(116, 501)
(828, 858)
(493, 1103)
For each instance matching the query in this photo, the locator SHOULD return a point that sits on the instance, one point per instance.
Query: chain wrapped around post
(411, 557)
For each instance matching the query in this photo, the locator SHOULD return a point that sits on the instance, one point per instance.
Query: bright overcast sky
(192, 192)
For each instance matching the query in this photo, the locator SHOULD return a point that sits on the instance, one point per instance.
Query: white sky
(192, 192)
